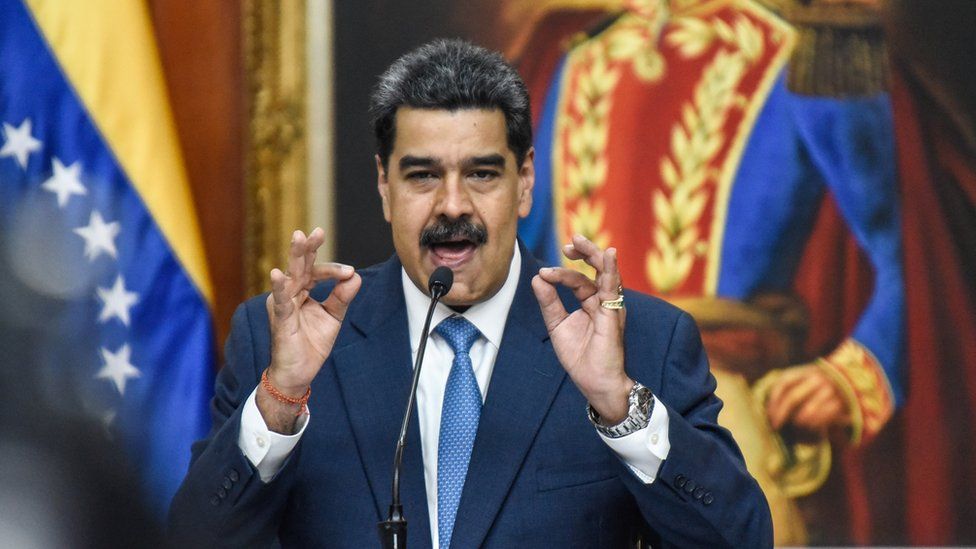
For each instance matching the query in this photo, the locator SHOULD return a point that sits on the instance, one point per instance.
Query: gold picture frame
(288, 138)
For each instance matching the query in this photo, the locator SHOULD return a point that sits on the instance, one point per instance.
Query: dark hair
(451, 74)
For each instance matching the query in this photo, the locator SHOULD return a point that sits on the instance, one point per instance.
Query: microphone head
(440, 281)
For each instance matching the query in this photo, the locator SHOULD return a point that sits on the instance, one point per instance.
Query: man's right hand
(303, 330)
(807, 401)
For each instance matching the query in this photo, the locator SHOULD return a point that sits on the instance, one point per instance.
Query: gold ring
(613, 304)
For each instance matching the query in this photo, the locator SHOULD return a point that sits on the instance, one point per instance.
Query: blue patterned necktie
(459, 423)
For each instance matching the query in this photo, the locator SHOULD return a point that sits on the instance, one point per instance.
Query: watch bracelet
(636, 418)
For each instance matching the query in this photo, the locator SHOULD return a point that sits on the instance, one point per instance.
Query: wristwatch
(638, 415)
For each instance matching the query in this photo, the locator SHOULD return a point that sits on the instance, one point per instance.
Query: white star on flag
(117, 302)
(65, 182)
(19, 142)
(117, 367)
(99, 236)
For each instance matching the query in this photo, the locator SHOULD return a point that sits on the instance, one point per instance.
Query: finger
(312, 244)
(341, 296)
(330, 271)
(571, 252)
(279, 287)
(793, 388)
(818, 411)
(281, 305)
(786, 381)
(582, 287)
(791, 400)
(608, 282)
(296, 256)
(609, 321)
(553, 312)
(315, 239)
(583, 248)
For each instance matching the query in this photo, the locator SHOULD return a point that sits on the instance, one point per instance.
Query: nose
(453, 198)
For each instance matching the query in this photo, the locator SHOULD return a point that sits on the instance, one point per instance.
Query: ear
(383, 187)
(526, 183)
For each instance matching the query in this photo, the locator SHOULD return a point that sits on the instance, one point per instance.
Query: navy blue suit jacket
(539, 474)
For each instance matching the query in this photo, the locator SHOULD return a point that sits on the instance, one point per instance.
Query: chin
(464, 295)
(461, 297)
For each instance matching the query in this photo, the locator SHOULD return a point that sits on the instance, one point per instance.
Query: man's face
(453, 195)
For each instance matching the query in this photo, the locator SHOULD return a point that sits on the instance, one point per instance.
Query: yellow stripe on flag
(108, 52)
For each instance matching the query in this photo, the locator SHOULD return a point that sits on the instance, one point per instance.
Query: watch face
(637, 418)
(643, 398)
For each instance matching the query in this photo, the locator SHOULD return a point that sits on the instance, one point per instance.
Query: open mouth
(453, 242)
(453, 253)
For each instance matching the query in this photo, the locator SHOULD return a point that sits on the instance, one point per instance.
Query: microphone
(393, 530)
(440, 283)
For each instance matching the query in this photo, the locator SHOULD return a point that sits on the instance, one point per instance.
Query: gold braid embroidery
(587, 139)
(860, 377)
(631, 39)
(695, 141)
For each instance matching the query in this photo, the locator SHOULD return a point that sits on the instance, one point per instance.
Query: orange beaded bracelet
(301, 401)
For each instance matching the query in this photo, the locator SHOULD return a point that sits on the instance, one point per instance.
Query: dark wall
(370, 34)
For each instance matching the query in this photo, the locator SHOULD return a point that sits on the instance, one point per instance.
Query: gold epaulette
(840, 49)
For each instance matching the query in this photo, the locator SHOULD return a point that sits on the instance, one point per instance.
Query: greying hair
(451, 75)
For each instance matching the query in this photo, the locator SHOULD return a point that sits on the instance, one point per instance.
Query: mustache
(447, 230)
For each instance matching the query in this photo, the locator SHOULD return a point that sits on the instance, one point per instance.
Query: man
(503, 451)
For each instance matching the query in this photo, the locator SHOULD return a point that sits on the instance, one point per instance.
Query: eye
(421, 175)
(483, 175)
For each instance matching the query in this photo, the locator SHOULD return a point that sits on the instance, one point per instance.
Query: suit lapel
(374, 370)
(523, 384)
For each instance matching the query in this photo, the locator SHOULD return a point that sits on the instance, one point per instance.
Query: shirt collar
(489, 316)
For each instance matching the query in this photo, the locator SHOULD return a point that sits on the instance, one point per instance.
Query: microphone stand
(393, 530)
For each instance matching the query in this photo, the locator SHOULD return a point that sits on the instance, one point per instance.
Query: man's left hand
(590, 341)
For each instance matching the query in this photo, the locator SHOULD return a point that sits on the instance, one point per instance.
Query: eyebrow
(495, 160)
(410, 161)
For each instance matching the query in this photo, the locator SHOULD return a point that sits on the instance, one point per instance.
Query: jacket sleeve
(703, 495)
(222, 501)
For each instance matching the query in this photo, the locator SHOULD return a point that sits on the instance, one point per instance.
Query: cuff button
(680, 481)
(690, 486)
(233, 476)
(699, 492)
(215, 501)
(707, 499)
(227, 483)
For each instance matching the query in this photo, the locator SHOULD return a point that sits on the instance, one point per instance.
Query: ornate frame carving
(276, 138)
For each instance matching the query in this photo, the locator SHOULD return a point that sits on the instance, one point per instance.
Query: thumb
(342, 295)
(553, 311)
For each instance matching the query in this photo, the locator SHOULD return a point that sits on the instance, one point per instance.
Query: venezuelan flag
(103, 284)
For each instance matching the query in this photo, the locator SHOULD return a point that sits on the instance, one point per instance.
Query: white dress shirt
(642, 451)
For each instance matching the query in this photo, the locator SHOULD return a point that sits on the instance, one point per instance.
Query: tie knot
(459, 333)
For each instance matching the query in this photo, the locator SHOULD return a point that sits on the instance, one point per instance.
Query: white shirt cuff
(643, 451)
(264, 448)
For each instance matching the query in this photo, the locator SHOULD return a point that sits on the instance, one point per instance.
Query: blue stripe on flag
(538, 230)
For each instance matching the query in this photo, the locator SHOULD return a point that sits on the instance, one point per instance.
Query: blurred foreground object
(64, 483)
